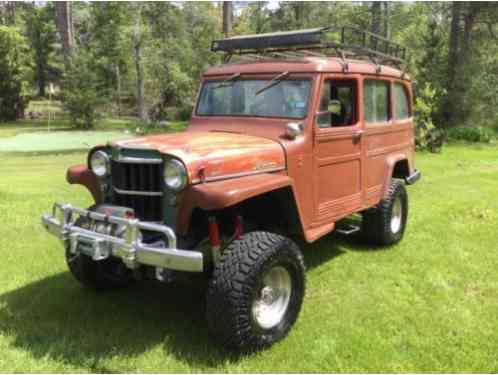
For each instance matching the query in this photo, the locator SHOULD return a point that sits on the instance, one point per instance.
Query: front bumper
(128, 246)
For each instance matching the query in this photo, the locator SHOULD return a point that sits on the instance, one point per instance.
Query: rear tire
(385, 224)
(256, 291)
(105, 274)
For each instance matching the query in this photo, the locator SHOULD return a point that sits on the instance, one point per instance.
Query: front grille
(138, 186)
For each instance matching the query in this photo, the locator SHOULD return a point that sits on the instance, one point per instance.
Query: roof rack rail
(346, 42)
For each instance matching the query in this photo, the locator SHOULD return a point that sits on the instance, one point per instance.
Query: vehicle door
(337, 150)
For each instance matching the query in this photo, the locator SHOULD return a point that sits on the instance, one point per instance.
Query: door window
(401, 105)
(376, 101)
(337, 104)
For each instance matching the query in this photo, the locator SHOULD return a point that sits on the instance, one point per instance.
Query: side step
(348, 229)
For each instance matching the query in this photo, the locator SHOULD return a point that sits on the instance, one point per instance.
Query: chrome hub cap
(396, 216)
(272, 300)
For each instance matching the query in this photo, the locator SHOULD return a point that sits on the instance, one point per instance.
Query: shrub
(427, 135)
(13, 68)
(83, 94)
(472, 134)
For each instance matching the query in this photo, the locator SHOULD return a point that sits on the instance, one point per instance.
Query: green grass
(429, 303)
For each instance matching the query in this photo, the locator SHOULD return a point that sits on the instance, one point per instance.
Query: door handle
(357, 135)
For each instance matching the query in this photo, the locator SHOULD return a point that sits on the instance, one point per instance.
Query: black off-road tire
(376, 223)
(237, 280)
(105, 274)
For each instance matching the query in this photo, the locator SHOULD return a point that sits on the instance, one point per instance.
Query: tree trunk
(40, 68)
(465, 67)
(299, 13)
(137, 36)
(64, 23)
(376, 17)
(453, 60)
(387, 14)
(118, 88)
(11, 12)
(227, 17)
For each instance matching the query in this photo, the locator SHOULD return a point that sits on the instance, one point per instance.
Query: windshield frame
(268, 78)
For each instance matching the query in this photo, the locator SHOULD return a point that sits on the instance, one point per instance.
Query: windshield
(288, 98)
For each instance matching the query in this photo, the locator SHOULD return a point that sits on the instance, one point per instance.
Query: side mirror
(294, 130)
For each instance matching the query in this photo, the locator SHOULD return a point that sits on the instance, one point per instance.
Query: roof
(306, 65)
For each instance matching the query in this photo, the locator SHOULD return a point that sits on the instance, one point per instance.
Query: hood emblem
(262, 165)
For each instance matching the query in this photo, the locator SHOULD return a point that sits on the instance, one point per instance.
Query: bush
(472, 134)
(427, 135)
(83, 94)
(13, 67)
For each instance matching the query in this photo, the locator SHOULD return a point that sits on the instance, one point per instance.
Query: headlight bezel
(106, 163)
(182, 175)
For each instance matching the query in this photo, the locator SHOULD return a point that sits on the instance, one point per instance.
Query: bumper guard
(129, 247)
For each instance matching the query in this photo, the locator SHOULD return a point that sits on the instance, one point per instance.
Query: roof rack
(345, 43)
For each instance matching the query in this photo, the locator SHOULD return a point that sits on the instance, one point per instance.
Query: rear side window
(401, 106)
(376, 101)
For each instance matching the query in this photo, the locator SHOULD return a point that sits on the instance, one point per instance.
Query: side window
(337, 104)
(376, 101)
(401, 105)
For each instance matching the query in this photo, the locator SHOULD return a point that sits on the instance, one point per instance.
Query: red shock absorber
(214, 233)
(239, 227)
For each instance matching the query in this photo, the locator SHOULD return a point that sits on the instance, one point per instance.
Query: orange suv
(292, 133)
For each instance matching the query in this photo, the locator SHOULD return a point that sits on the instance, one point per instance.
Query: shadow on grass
(57, 318)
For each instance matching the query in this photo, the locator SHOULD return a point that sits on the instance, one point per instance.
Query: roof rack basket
(346, 42)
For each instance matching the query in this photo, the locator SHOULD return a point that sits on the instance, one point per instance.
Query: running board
(348, 229)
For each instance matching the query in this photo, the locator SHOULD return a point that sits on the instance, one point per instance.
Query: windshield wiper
(230, 79)
(274, 81)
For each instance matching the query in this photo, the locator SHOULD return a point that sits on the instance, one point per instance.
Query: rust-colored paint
(226, 193)
(81, 175)
(211, 156)
(333, 172)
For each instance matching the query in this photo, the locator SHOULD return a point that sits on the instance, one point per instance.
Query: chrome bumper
(128, 247)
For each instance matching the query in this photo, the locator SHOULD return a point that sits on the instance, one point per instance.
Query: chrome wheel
(272, 300)
(397, 215)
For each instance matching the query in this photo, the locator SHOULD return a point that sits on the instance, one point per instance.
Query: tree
(65, 27)
(227, 17)
(41, 36)
(453, 61)
(13, 55)
(137, 46)
(8, 13)
(387, 21)
(83, 92)
(376, 17)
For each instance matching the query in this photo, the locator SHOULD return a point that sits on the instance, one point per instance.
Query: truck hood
(215, 155)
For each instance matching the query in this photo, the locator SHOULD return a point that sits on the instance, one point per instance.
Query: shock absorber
(214, 238)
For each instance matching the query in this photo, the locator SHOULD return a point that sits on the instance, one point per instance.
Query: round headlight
(175, 175)
(99, 162)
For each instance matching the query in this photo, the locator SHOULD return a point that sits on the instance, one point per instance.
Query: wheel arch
(397, 166)
(271, 194)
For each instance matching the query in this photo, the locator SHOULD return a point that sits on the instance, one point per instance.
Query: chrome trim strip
(132, 160)
(129, 247)
(236, 175)
(135, 192)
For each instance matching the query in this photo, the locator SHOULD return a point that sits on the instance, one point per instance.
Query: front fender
(81, 175)
(226, 193)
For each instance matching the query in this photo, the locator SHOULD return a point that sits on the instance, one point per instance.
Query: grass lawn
(427, 304)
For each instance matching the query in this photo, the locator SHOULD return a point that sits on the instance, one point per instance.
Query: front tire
(256, 291)
(385, 224)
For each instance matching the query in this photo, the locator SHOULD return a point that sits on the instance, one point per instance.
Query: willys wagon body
(285, 142)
